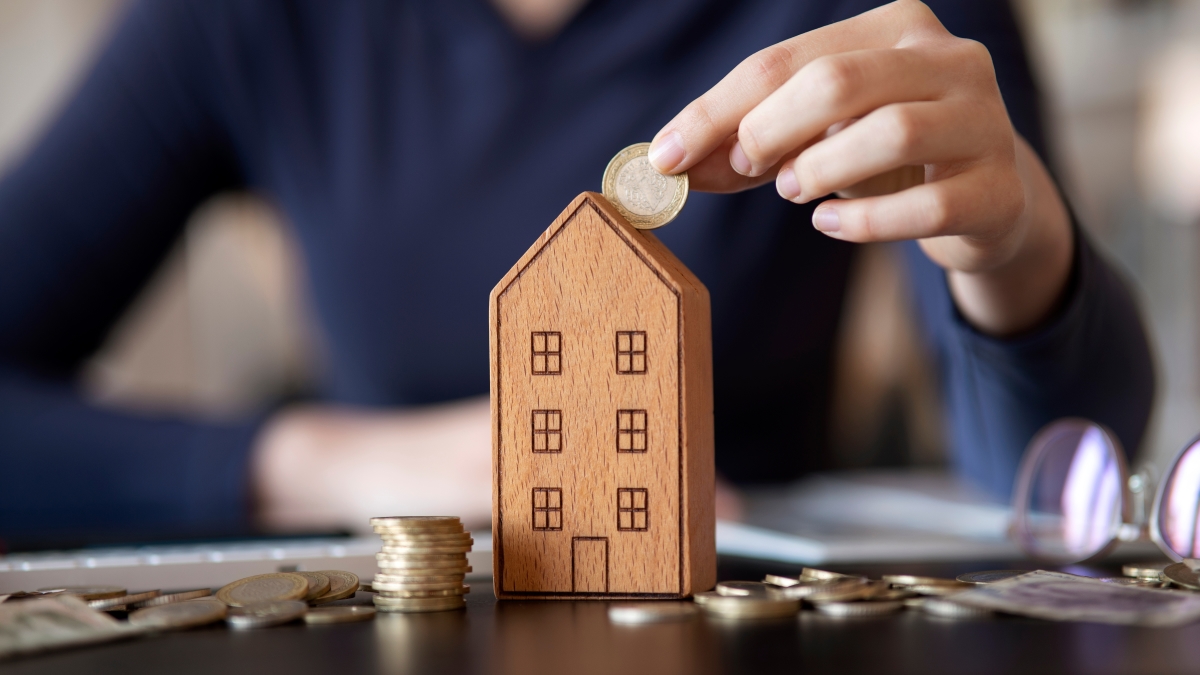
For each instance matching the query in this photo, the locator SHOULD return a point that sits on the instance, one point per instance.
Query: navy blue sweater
(417, 147)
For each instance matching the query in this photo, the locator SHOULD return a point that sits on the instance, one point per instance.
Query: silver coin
(178, 615)
(266, 614)
(651, 612)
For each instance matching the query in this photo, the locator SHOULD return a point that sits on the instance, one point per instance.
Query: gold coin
(264, 588)
(419, 604)
(1146, 570)
(415, 562)
(318, 584)
(173, 597)
(383, 586)
(754, 589)
(339, 614)
(443, 593)
(417, 524)
(427, 551)
(647, 198)
(109, 604)
(1182, 575)
(912, 580)
(870, 608)
(848, 592)
(88, 592)
(746, 607)
(403, 577)
(179, 615)
(342, 585)
(813, 573)
(421, 572)
(776, 580)
(448, 539)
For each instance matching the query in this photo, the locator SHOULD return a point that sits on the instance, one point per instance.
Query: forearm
(1019, 294)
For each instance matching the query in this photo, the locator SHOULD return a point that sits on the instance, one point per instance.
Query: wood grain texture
(632, 331)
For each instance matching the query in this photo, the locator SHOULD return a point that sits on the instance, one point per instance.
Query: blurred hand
(905, 123)
(338, 467)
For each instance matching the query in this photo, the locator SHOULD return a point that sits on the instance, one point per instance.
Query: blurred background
(223, 328)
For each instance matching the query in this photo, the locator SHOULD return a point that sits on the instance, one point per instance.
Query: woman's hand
(905, 122)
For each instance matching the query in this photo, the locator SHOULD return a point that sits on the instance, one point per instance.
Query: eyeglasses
(1074, 497)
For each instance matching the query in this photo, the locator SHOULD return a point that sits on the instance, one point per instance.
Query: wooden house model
(601, 376)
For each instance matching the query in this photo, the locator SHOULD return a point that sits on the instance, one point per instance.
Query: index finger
(706, 122)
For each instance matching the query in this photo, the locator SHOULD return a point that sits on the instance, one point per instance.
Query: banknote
(1066, 597)
(50, 623)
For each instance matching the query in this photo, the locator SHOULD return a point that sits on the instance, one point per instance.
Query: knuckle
(771, 66)
(902, 132)
(939, 212)
(750, 139)
(833, 79)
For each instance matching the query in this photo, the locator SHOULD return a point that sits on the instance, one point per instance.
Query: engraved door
(589, 564)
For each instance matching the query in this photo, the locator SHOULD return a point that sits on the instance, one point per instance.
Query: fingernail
(737, 159)
(827, 219)
(667, 152)
(787, 185)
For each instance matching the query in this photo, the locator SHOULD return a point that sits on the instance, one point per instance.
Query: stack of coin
(422, 564)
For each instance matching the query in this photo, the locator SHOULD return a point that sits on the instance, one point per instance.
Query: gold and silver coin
(322, 615)
(746, 607)
(318, 584)
(123, 601)
(647, 198)
(634, 614)
(342, 585)
(1181, 575)
(777, 580)
(264, 588)
(992, 576)
(390, 604)
(1145, 570)
(422, 564)
(814, 573)
(266, 614)
(179, 615)
(754, 589)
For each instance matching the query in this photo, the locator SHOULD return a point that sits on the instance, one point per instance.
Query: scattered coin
(179, 615)
(1181, 575)
(756, 589)
(952, 610)
(88, 592)
(776, 580)
(266, 614)
(647, 198)
(1132, 581)
(264, 588)
(651, 612)
(865, 608)
(120, 602)
(342, 585)
(849, 592)
(813, 573)
(746, 607)
(1144, 570)
(989, 577)
(339, 614)
(318, 584)
(168, 598)
(821, 588)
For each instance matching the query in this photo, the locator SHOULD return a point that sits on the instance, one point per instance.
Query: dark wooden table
(568, 638)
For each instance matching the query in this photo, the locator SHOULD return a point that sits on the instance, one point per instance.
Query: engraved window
(631, 351)
(547, 431)
(547, 508)
(631, 431)
(547, 353)
(632, 509)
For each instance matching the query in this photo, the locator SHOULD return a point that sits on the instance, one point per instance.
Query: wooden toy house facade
(602, 414)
